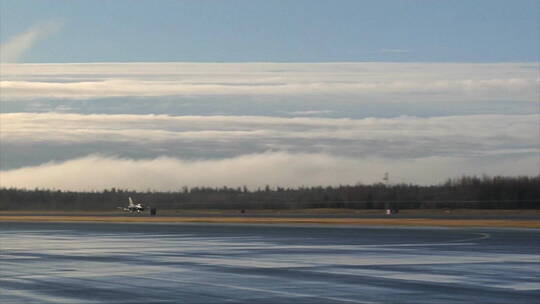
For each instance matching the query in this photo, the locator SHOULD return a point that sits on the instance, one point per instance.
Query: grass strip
(507, 223)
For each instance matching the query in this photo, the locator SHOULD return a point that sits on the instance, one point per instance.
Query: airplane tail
(131, 201)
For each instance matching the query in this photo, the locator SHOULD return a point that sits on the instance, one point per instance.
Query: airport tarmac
(240, 263)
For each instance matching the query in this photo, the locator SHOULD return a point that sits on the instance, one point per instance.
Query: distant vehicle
(133, 207)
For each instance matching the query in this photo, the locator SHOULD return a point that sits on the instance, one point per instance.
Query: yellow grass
(514, 223)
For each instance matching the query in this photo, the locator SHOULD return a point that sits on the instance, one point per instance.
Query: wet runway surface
(217, 263)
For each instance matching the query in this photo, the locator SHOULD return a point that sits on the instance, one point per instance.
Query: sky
(277, 31)
(156, 96)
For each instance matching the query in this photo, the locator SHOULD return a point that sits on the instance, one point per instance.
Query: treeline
(465, 192)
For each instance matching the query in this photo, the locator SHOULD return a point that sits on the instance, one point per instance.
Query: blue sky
(278, 31)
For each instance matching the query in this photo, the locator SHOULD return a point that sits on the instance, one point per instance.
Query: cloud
(70, 127)
(493, 106)
(63, 136)
(311, 112)
(15, 47)
(353, 81)
(96, 172)
(138, 88)
(394, 51)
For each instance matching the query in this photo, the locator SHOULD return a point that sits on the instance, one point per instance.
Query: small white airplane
(133, 207)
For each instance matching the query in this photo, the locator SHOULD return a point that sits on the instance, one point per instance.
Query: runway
(232, 263)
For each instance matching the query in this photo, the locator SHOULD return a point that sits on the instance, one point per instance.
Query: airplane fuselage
(133, 207)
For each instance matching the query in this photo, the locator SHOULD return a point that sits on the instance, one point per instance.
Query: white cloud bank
(257, 170)
(358, 81)
(15, 47)
(310, 151)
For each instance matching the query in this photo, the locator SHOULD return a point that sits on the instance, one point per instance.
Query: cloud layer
(374, 81)
(389, 137)
(284, 169)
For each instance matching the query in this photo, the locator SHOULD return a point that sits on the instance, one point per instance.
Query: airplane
(133, 207)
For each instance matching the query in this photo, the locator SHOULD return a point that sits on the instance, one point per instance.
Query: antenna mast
(386, 178)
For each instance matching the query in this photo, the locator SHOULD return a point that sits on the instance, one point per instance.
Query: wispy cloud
(394, 51)
(311, 112)
(15, 47)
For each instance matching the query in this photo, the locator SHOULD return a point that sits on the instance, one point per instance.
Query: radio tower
(388, 205)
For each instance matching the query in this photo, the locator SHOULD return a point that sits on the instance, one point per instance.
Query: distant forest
(465, 192)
